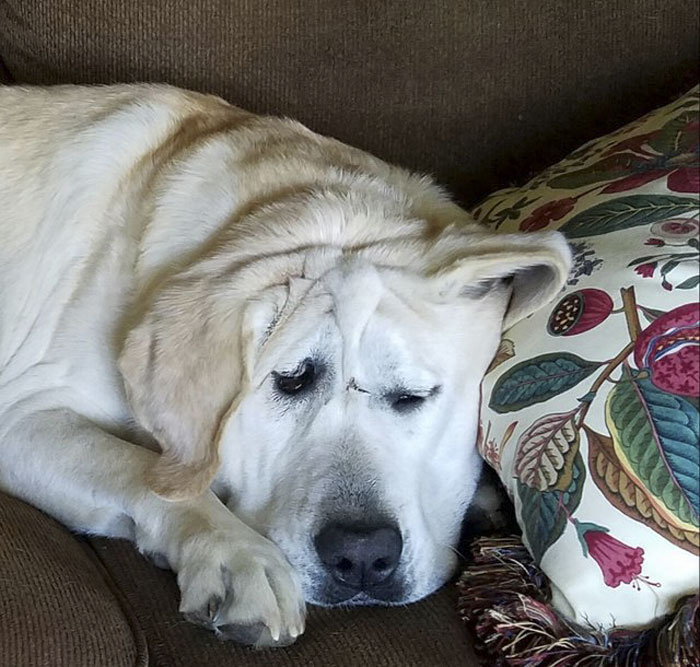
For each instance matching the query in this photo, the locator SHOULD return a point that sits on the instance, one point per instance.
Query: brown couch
(481, 93)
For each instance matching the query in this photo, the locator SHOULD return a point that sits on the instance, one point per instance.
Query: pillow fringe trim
(503, 598)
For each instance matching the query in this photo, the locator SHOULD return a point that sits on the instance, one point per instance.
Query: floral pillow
(590, 408)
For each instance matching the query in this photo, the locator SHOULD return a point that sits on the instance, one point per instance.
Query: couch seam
(5, 75)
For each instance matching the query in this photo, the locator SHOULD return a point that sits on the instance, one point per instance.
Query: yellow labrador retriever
(251, 349)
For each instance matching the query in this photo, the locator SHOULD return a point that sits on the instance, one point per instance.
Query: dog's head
(330, 393)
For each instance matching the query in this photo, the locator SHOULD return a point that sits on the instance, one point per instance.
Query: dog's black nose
(359, 557)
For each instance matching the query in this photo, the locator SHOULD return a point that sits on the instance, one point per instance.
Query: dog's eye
(406, 402)
(298, 381)
(403, 401)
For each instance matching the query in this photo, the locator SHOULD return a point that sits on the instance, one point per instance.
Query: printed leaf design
(545, 454)
(656, 437)
(543, 515)
(650, 313)
(506, 350)
(641, 260)
(677, 136)
(609, 168)
(626, 212)
(539, 379)
(669, 266)
(507, 435)
(689, 283)
(628, 495)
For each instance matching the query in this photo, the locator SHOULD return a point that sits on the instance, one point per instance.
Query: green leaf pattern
(657, 434)
(539, 379)
(544, 514)
(627, 212)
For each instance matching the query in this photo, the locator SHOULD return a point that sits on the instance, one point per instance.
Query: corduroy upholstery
(480, 93)
(58, 606)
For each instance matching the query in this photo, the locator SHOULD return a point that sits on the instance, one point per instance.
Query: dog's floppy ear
(537, 264)
(185, 370)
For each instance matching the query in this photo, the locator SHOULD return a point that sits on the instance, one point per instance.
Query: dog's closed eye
(403, 401)
(406, 402)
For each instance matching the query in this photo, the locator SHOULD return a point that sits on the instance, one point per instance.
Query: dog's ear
(185, 365)
(536, 265)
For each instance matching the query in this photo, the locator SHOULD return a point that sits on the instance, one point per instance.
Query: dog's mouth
(361, 599)
(366, 600)
(332, 594)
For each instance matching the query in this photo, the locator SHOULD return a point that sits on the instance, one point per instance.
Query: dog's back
(62, 157)
(73, 164)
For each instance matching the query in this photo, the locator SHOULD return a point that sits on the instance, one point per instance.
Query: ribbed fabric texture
(425, 634)
(480, 93)
(56, 608)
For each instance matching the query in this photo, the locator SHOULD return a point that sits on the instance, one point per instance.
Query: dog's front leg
(231, 579)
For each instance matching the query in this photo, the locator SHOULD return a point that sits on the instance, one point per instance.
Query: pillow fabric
(590, 408)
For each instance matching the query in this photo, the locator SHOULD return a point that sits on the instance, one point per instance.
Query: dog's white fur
(162, 256)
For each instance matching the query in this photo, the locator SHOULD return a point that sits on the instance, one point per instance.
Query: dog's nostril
(344, 565)
(380, 564)
(359, 556)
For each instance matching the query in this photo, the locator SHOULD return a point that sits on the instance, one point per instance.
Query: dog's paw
(242, 588)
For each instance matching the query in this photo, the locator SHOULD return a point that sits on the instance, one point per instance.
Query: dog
(252, 350)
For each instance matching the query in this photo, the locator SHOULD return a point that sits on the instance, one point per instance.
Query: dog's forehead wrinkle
(356, 289)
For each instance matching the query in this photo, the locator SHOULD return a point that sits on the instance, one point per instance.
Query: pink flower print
(543, 215)
(669, 348)
(686, 179)
(646, 270)
(675, 229)
(619, 562)
(634, 181)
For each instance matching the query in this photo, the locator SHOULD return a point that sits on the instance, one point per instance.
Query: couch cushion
(426, 633)
(479, 93)
(57, 607)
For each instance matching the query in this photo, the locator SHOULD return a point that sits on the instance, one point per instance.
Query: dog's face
(334, 408)
(355, 452)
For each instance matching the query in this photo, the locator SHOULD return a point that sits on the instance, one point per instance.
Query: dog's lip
(361, 599)
(343, 597)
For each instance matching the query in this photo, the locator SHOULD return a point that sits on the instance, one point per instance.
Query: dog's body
(242, 345)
